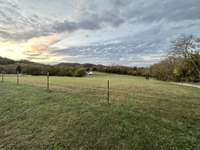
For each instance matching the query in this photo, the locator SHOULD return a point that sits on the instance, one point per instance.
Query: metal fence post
(47, 81)
(2, 77)
(17, 78)
(108, 92)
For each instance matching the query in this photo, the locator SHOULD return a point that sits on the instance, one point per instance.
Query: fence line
(107, 92)
(102, 89)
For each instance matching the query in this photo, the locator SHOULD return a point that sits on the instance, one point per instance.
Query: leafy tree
(80, 72)
(18, 69)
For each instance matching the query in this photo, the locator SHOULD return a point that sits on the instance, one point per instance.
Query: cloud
(156, 10)
(126, 51)
(40, 45)
(28, 27)
(95, 15)
(16, 25)
(39, 49)
(94, 22)
(142, 27)
(145, 47)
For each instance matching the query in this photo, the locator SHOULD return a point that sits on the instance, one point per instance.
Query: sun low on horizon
(124, 32)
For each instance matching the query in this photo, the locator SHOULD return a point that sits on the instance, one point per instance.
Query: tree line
(65, 69)
(39, 69)
(182, 63)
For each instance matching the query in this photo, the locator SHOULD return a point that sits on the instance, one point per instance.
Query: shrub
(80, 72)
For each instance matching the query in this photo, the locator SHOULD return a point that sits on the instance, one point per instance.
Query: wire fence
(104, 92)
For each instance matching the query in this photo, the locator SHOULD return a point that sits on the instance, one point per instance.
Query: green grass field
(143, 115)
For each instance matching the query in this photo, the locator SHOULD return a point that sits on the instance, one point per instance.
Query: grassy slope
(143, 114)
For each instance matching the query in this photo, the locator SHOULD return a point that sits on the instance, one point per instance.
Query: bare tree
(186, 46)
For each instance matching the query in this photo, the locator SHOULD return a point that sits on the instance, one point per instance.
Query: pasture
(142, 114)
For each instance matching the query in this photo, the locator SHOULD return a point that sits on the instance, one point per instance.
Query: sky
(109, 32)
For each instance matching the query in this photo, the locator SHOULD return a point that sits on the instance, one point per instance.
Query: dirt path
(188, 84)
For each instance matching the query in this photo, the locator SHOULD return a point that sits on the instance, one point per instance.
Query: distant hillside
(65, 69)
(79, 65)
(6, 61)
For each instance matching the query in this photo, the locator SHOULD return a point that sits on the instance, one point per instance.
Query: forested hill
(65, 69)
(6, 61)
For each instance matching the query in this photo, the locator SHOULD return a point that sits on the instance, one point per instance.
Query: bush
(80, 72)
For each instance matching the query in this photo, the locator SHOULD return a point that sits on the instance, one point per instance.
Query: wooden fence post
(108, 92)
(47, 81)
(2, 77)
(17, 78)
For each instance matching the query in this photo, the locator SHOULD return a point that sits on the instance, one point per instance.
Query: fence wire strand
(81, 89)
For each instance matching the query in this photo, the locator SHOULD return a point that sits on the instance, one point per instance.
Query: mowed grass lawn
(143, 115)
